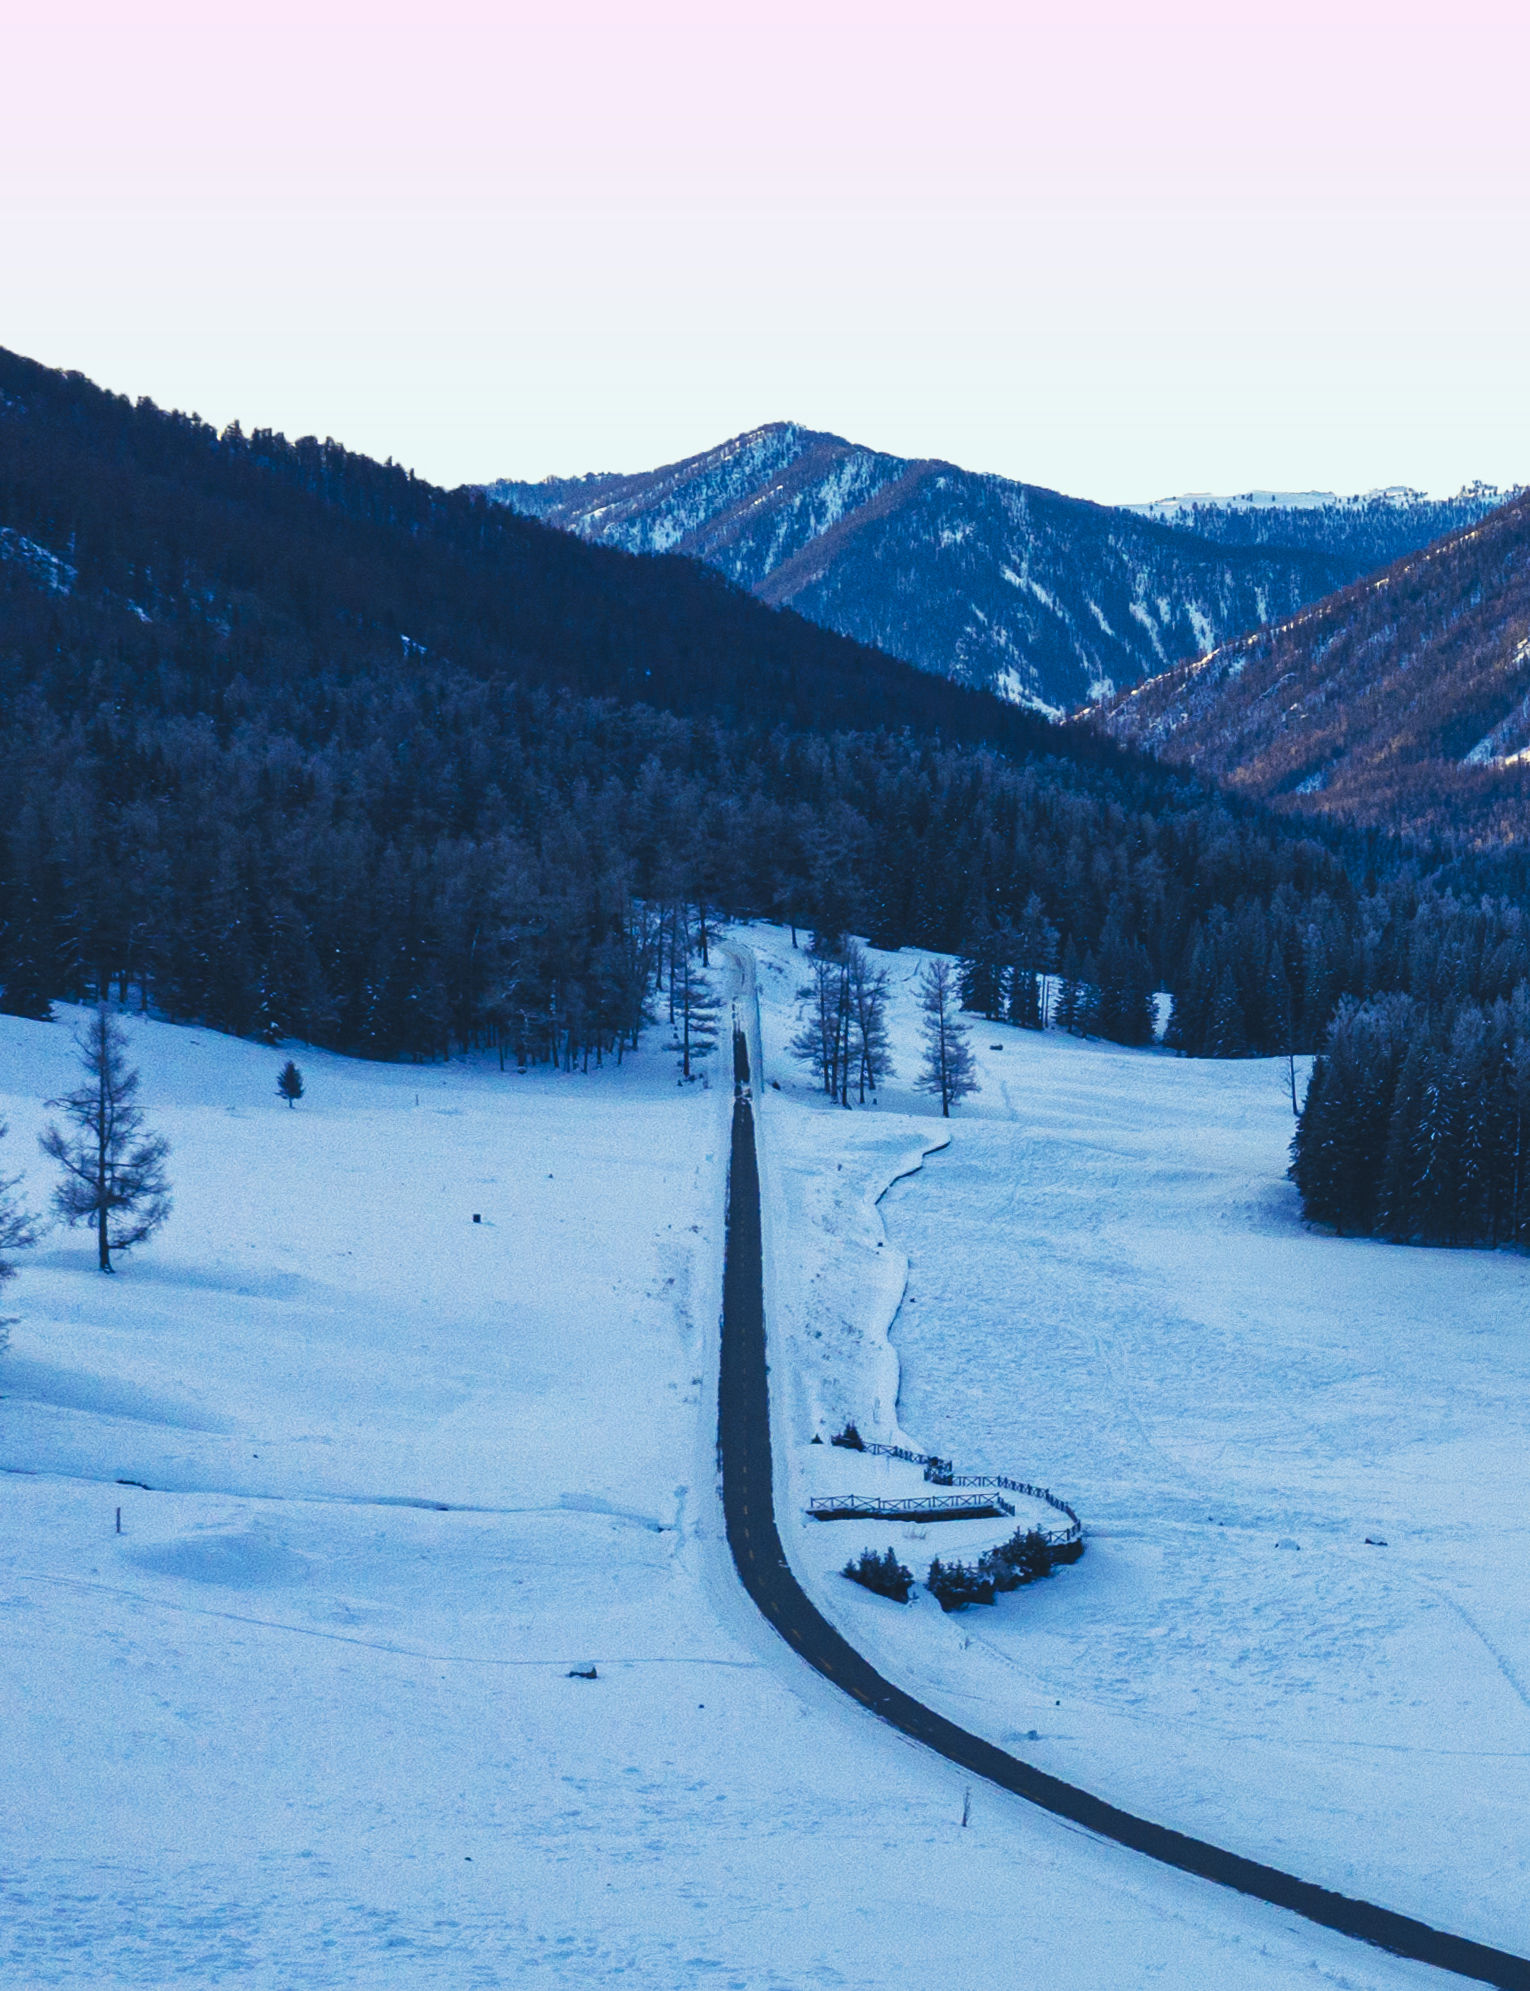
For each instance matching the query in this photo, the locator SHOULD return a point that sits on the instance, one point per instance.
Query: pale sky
(1123, 249)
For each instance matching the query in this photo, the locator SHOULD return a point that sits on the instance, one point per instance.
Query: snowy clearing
(308, 1720)
(1109, 1291)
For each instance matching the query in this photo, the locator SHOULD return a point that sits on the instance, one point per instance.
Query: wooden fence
(937, 1472)
(937, 1507)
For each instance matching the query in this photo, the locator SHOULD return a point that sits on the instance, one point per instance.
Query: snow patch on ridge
(49, 569)
(1200, 622)
(1509, 741)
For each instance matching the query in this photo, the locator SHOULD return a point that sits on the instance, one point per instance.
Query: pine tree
(882, 1573)
(1033, 1557)
(1227, 1033)
(1124, 1010)
(870, 1049)
(982, 966)
(1069, 1007)
(948, 1071)
(1034, 946)
(1474, 1082)
(822, 1011)
(954, 1586)
(1516, 1159)
(1025, 999)
(1283, 1027)
(19, 1231)
(1412, 1203)
(697, 1009)
(1025, 1558)
(1087, 1006)
(289, 1083)
(1346, 1131)
(113, 1174)
(28, 971)
(1191, 1010)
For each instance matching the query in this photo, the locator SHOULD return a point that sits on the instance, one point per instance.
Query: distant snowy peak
(1365, 532)
(1396, 497)
(1048, 601)
(709, 506)
(1188, 503)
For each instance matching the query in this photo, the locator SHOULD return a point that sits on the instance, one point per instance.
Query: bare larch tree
(948, 1069)
(113, 1173)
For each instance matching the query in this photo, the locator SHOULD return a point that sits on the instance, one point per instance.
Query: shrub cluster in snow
(882, 1573)
(1025, 1558)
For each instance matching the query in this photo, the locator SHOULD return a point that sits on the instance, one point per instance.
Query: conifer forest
(298, 746)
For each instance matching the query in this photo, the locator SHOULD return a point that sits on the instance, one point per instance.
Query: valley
(316, 1712)
(764, 1000)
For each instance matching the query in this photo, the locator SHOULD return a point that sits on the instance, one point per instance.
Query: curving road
(743, 1429)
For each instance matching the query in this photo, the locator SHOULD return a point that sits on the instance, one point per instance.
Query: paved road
(743, 1426)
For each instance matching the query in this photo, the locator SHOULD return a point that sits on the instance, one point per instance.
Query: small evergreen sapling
(1032, 1556)
(882, 1573)
(113, 1174)
(1025, 1558)
(289, 1083)
(954, 1586)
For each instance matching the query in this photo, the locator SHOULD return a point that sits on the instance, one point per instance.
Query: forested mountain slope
(295, 744)
(1401, 702)
(287, 556)
(1047, 600)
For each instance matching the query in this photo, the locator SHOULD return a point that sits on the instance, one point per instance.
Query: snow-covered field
(308, 1720)
(1110, 1292)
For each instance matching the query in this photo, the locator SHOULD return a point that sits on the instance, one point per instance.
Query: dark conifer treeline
(295, 745)
(1417, 1122)
(458, 863)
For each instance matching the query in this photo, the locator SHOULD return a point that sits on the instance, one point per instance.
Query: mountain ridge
(1401, 702)
(1050, 601)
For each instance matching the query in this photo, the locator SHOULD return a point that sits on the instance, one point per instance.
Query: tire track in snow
(1498, 1659)
(372, 1644)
